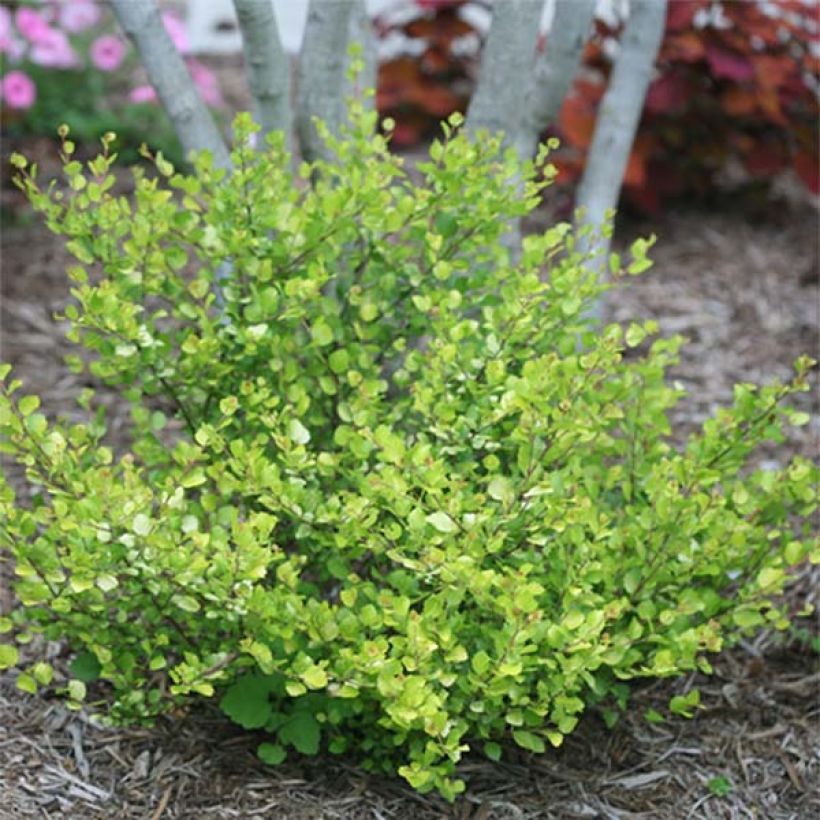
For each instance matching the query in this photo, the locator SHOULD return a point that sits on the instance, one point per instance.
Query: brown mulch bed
(745, 292)
(757, 729)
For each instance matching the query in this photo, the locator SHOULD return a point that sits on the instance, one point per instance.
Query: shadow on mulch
(751, 751)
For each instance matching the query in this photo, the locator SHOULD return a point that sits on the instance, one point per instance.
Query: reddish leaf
(687, 47)
(772, 72)
(436, 61)
(681, 13)
(399, 71)
(636, 168)
(769, 103)
(577, 122)
(406, 134)
(635, 174)
(593, 54)
(435, 99)
(811, 62)
(807, 168)
(764, 160)
(441, 28)
(738, 102)
(668, 93)
(728, 64)
(569, 169)
(437, 4)
(589, 91)
(752, 21)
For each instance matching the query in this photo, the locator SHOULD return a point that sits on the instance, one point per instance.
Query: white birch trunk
(322, 84)
(267, 65)
(554, 69)
(194, 125)
(506, 66)
(618, 119)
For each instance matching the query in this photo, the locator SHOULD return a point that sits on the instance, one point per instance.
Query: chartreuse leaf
(8, 656)
(528, 740)
(298, 432)
(315, 677)
(28, 404)
(442, 522)
(685, 705)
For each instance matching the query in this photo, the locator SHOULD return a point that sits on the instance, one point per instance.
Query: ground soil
(739, 282)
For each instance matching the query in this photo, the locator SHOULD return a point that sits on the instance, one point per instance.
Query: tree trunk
(506, 65)
(618, 119)
(554, 70)
(194, 125)
(267, 66)
(322, 85)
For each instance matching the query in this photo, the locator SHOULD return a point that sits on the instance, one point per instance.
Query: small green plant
(720, 786)
(388, 493)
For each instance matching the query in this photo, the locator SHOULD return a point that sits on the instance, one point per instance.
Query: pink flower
(31, 24)
(9, 44)
(5, 23)
(13, 47)
(18, 90)
(107, 52)
(142, 94)
(177, 32)
(205, 81)
(79, 15)
(53, 50)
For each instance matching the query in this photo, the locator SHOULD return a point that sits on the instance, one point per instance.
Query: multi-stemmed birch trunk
(519, 91)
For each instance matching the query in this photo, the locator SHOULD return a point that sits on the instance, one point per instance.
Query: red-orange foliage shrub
(736, 81)
(431, 78)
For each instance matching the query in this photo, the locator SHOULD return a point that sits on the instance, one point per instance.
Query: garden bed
(743, 288)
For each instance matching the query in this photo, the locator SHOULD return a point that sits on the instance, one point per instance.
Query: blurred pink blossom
(5, 23)
(205, 81)
(107, 52)
(79, 15)
(13, 47)
(32, 25)
(142, 94)
(18, 90)
(9, 44)
(177, 32)
(53, 50)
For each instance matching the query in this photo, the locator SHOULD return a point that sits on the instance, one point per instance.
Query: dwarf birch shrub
(387, 494)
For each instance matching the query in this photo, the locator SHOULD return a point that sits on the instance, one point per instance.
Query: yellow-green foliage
(387, 493)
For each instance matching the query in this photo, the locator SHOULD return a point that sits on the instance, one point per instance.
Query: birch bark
(553, 72)
(197, 131)
(618, 119)
(506, 65)
(322, 84)
(268, 66)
